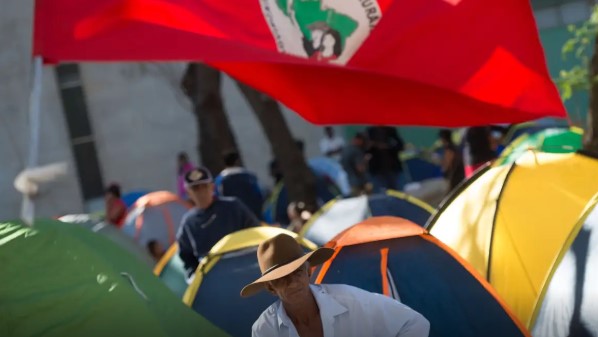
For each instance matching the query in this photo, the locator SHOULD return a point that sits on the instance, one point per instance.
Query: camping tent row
(422, 273)
(515, 223)
(338, 215)
(61, 279)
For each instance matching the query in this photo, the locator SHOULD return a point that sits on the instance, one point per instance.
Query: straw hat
(281, 256)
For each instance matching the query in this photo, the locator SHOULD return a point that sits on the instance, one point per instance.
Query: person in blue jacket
(210, 220)
(237, 181)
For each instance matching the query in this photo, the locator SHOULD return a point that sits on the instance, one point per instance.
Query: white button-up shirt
(348, 311)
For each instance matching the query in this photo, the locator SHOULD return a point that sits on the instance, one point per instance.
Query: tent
(171, 270)
(155, 216)
(130, 197)
(570, 299)
(512, 221)
(397, 258)
(275, 207)
(230, 265)
(520, 129)
(63, 280)
(112, 233)
(325, 166)
(553, 140)
(418, 168)
(338, 215)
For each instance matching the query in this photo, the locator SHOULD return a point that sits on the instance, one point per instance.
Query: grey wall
(63, 195)
(139, 118)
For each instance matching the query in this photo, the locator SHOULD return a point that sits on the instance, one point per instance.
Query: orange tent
(156, 216)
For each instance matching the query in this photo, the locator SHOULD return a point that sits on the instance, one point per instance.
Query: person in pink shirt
(183, 167)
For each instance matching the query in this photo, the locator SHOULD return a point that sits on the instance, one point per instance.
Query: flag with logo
(394, 62)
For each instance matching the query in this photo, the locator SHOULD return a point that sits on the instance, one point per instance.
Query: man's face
(291, 287)
(202, 194)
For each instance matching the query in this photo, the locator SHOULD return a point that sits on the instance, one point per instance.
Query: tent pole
(28, 207)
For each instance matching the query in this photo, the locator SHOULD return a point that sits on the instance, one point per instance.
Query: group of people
(371, 160)
(302, 309)
(480, 145)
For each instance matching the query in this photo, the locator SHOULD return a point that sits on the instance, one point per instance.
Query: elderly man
(322, 310)
(210, 220)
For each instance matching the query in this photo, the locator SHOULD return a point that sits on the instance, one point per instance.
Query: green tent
(554, 140)
(57, 279)
(111, 232)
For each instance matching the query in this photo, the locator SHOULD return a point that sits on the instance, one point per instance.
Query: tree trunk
(298, 178)
(592, 140)
(201, 84)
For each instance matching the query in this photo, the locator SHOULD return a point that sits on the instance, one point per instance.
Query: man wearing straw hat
(322, 310)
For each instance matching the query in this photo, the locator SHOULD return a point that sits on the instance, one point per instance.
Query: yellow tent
(512, 222)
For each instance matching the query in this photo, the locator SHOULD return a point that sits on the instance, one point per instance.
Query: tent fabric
(504, 222)
(230, 265)
(520, 129)
(569, 306)
(131, 197)
(112, 233)
(417, 168)
(275, 207)
(324, 166)
(155, 216)
(270, 47)
(338, 215)
(395, 257)
(171, 270)
(554, 140)
(63, 280)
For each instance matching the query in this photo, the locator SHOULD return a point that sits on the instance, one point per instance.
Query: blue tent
(417, 168)
(338, 215)
(132, 196)
(394, 257)
(324, 166)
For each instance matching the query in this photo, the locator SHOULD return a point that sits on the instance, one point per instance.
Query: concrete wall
(139, 118)
(59, 197)
(141, 121)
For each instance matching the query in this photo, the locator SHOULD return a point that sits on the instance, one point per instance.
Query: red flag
(409, 62)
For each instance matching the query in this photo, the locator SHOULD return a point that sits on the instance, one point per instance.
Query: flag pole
(28, 207)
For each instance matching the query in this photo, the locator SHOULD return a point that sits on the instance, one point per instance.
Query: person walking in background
(237, 181)
(354, 162)
(452, 159)
(183, 166)
(116, 209)
(331, 145)
(384, 164)
(210, 220)
(478, 149)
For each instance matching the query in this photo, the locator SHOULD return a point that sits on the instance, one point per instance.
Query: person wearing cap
(210, 220)
(304, 309)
